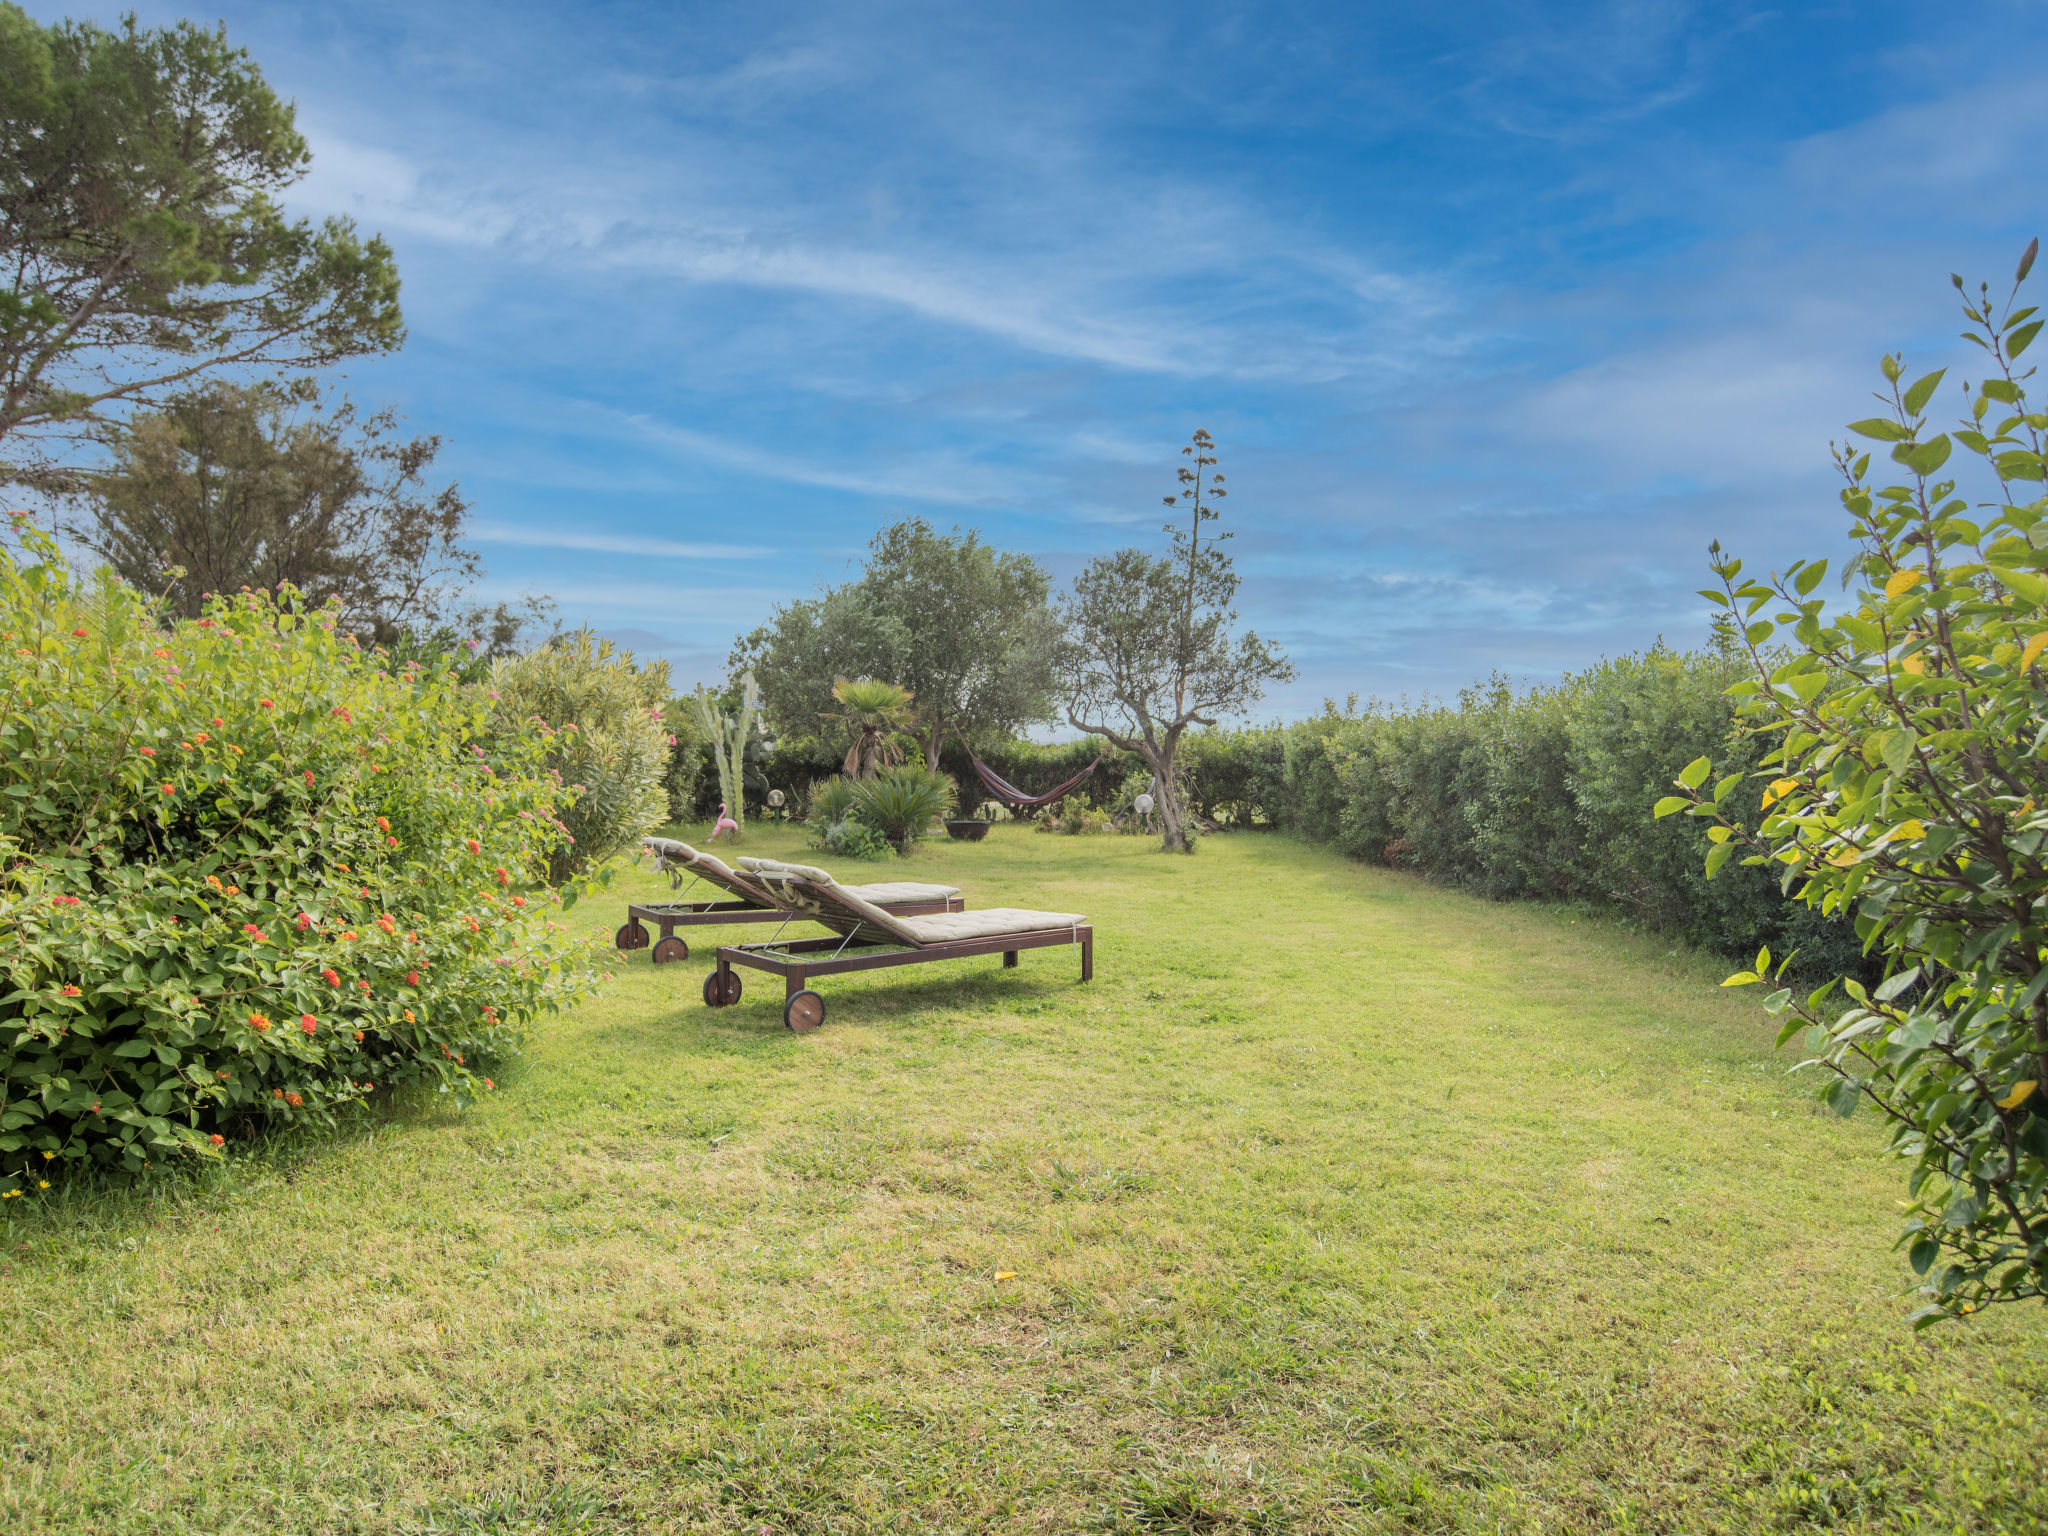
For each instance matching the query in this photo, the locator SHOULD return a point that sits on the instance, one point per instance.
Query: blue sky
(1498, 313)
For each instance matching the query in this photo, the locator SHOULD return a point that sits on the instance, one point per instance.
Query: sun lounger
(871, 937)
(747, 900)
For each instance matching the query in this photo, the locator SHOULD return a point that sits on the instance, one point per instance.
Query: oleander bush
(248, 877)
(600, 721)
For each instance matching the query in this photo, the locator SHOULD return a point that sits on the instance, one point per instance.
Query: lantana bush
(246, 876)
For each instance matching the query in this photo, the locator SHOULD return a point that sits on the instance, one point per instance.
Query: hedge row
(1543, 794)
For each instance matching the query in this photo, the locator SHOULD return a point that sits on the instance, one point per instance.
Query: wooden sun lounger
(749, 900)
(871, 938)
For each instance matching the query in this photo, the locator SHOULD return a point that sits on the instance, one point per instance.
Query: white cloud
(612, 544)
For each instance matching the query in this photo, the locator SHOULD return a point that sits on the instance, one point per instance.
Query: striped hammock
(1002, 789)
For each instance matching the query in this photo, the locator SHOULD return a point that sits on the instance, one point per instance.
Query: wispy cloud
(1498, 313)
(651, 546)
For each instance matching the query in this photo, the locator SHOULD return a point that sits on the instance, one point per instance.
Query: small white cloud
(612, 544)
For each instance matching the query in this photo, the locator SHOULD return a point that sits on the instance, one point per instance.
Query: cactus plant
(729, 736)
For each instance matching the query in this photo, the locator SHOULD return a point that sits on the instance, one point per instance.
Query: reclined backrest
(670, 854)
(813, 892)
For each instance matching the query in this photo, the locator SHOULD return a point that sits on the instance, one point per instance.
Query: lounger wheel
(804, 1012)
(670, 948)
(632, 936)
(713, 998)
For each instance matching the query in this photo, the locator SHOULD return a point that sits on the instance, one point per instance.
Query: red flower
(489, 1084)
(71, 991)
(170, 789)
(265, 704)
(304, 922)
(503, 878)
(218, 1140)
(308, 1023)
(412, 978)
(259, 1021)
(383, 824)
(79, 632)
(294, 1100)
(253, 930)
(475, 846)
(518, 901)
(148, 751)
(309, 778)
(218, 721)
(363, 986)
(330, 978)
(392, 841)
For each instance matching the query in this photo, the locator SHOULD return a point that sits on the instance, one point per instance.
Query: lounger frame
(668, 916)
(798, 960)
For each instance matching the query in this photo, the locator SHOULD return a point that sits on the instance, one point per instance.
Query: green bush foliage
(901, 803)
(601, 724)
(246, 876)
(1892, 749)
(1535, 794)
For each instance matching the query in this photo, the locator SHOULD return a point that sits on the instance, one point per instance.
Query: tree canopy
(143, 245)
(968, 630)
(252, 485)
(1151, 642)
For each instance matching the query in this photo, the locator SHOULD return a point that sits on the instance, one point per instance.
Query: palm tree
(872, 711)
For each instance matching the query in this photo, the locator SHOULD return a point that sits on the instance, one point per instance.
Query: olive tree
(1152, 645)
(1905, 786)
(968, 630)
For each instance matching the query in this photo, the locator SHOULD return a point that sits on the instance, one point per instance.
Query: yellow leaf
(1006, 1274)
(1904, 829)
(1843, 858)
(1778, 790)
(1741, 979)
(1917, 665)
(1902, 582)
(2019, 1094)
(2033, 651)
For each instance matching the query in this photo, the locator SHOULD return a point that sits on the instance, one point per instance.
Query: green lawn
(1335, 1203)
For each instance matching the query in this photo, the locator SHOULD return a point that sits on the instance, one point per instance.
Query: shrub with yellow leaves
(1907, 789)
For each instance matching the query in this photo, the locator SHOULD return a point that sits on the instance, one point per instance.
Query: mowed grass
(1336, 1203)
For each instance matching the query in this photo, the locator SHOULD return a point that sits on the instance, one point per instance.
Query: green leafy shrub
(1528, 794)
(1898, 737)
(852, 838)
(601, 724)
(1075, 821)
(246, 876)
(901, 803)
(831, 801)
(688, 766)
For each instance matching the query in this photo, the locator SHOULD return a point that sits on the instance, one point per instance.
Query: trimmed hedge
(1547, 794)
(247, 876)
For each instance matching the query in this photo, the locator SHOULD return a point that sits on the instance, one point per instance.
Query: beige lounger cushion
(880, 892)
(989, 923)
(901, 890)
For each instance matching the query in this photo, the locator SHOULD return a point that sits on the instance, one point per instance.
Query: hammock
(1003, 790)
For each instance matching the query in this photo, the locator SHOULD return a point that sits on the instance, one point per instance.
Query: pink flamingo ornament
(724, 824)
